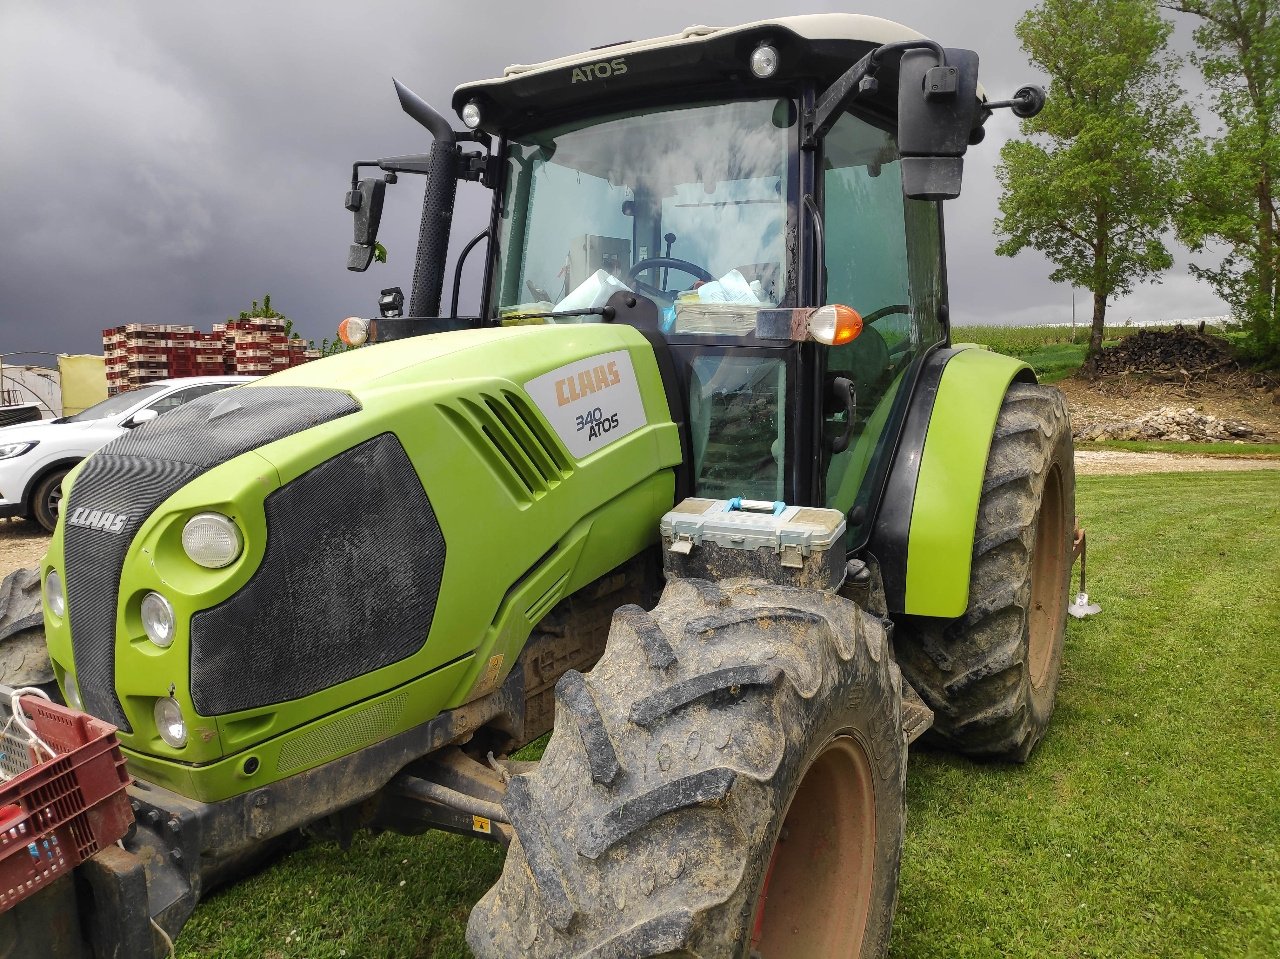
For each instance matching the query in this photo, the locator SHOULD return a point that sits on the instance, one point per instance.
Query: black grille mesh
(348, 585)
(216, 427)
(128, 486)
(133, 475)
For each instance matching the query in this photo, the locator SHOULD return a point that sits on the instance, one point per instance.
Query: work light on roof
(764, 61)
(471, 115)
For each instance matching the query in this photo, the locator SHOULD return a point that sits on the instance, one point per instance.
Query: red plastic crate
(61, 811)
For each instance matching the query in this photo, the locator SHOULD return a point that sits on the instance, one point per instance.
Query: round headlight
(157, 619)
(764, 61)
(72, 688)
(169, 722)
(471, 115)
(53, 594)
(212, 540)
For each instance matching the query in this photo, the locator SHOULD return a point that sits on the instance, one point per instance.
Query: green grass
(1054, 352)
(1254, 450)
(1147, 823)
(1017, 340)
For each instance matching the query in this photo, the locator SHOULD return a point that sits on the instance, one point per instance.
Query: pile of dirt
(1171, 423)
(1179, 351)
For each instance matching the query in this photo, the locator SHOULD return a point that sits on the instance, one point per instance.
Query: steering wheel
(665, 262)
(886, 311)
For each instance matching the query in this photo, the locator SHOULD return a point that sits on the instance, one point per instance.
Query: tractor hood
(386, 503)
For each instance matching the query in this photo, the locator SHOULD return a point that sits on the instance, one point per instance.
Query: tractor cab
(764, 201)
(701, 212)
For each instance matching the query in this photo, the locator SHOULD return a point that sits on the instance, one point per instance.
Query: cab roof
(817, 46)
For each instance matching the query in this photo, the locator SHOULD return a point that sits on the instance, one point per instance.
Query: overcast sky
(169, 162)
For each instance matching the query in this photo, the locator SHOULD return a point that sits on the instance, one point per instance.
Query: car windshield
(114, 405)
(685, 205)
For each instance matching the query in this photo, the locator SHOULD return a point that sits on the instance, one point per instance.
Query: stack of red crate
(139, 353)
(258, 346)
(197, 354)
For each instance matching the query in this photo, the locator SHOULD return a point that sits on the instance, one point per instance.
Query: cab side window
(884, 259)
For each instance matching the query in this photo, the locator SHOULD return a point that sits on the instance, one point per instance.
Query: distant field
(1147, 823)
(1054, 352)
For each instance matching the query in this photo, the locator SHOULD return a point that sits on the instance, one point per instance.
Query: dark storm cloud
(168, 162)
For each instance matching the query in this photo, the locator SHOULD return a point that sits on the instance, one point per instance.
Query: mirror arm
(858, 80)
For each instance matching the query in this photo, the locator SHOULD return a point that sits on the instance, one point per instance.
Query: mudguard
(923, 535)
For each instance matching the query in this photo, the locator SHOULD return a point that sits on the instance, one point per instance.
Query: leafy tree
(1233, 181)
(264, 311)
(1093, 187)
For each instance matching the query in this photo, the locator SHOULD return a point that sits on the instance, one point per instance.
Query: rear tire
(651, 824)
(47, 499)
(991, 676)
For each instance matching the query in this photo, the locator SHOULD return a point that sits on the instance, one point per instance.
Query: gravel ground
(22, 543)
(1112, 462)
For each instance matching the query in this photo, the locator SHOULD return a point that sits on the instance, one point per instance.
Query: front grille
(348, 585)
(130, 477)
(128, 486)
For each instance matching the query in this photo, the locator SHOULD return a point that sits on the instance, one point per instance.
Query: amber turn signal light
(834, 324)
(356, 331)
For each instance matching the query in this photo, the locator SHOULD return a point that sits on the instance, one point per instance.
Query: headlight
(764, 61)
(9, 450)
(169, 722)
(212, 540)
(53, 594)
(157, 619)
(74, 699)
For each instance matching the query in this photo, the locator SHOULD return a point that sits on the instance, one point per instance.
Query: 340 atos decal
(98, 519)
(599, 71)
(590, 403)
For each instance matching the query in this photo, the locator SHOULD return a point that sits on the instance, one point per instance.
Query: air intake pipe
(437, 206)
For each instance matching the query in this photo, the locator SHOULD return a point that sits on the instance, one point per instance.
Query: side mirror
(937, 107)
(365, 203)
(140, 417)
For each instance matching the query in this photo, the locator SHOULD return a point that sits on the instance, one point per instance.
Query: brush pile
(1178, 352)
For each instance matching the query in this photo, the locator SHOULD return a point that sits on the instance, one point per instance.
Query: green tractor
(703, 489)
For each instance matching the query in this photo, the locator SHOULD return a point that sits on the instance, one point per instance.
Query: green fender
(944, 512)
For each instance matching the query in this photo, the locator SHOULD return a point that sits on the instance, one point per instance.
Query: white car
(34, 457)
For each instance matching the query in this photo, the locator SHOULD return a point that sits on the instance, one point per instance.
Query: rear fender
(923, 535)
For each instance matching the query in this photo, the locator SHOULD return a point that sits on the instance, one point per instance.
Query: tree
(1094, 188)
(1233, 181)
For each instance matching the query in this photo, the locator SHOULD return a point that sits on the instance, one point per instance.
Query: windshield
(683, 205)
(114, 404)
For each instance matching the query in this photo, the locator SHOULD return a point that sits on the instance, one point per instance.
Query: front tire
(991, 676)
(47, 500)
(727, 781)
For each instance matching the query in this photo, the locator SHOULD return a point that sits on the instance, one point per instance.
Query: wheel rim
(817, 891)
(55, 501)
(1048, 566)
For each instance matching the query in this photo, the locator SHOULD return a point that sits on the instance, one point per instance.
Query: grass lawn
(1147, 824)
(1258, 450)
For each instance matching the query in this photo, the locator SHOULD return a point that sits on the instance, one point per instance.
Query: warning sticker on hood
(590, 403)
